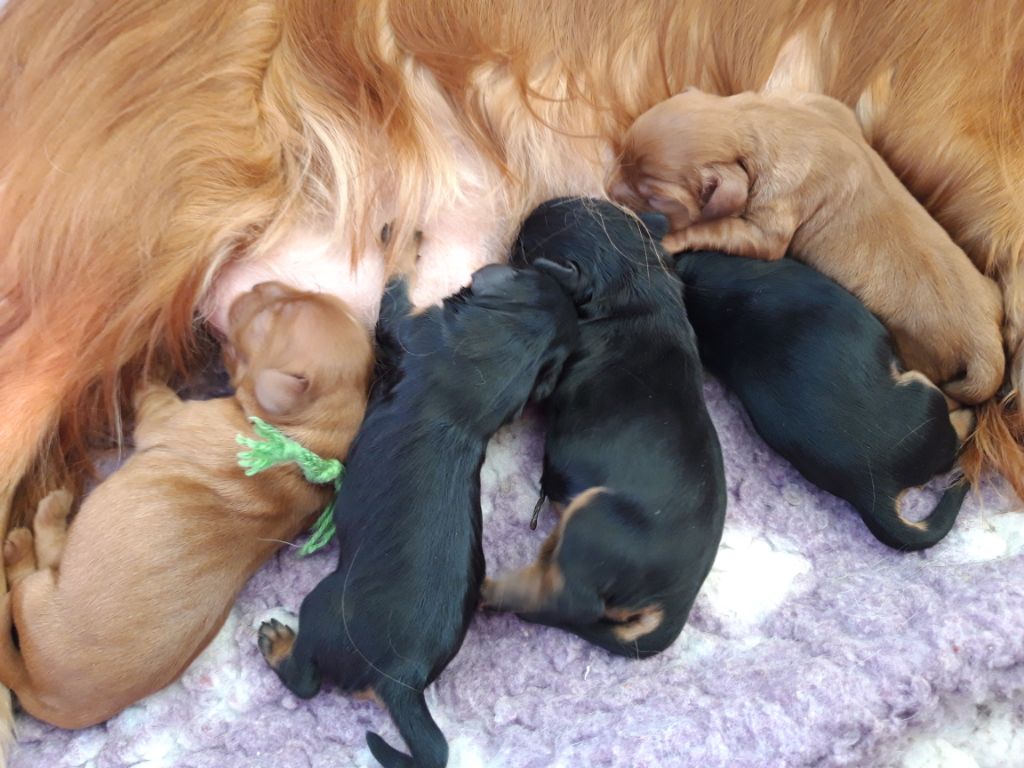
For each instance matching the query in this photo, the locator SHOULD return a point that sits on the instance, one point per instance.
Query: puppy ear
(547, 378)
(568, 274)
(395, 304)
(492, 279)
(656, 223)
(278, 392)
(723, 192)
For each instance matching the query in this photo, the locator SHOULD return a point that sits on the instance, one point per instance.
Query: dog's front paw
(275, 642)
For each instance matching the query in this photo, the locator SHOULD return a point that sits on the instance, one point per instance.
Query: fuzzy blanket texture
(810, 645)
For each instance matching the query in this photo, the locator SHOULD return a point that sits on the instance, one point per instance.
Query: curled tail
(885, 522)
(409, 710)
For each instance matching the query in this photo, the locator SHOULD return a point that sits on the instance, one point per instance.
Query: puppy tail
(997, 443)
(409, 711)
(892, 530)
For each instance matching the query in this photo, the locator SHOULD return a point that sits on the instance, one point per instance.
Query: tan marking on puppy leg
(531, 587)
(19, 555)
(920, 525)
(275, 642)
(635, 624)
(524, 590)
(963, 422)
(50, 527)
(581, 500)
(906, 377)
(367, 694)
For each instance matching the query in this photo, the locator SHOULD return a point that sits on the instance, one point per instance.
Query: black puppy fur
(817, 373)
(396, 610)
(630, 446)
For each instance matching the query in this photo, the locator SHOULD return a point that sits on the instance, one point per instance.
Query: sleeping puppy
(817, 373)
(631, 454)
(105, 620)
(759, 175)
(395, 612)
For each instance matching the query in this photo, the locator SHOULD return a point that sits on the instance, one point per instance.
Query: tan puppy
(759, 175)
(158, 552)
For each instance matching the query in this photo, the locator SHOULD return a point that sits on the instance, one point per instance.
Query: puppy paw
(275, 642)
(19, 554)
(54, 508)
(488, 595)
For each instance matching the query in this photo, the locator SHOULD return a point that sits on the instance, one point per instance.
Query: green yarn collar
(275, 449)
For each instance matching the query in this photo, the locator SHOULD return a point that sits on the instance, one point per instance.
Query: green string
(275, 449)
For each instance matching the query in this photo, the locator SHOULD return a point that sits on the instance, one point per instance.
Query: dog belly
(308, 262)
(450, 253)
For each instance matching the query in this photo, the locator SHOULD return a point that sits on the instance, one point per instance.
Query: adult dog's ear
(278, 392)
(723, 192)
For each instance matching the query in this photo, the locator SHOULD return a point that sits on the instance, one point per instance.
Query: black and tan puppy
(396, 610)
(817, 373)
(631, 453)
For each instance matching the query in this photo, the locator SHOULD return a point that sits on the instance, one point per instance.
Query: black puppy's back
(815, 371)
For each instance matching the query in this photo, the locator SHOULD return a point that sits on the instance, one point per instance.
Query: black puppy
(817, 373)
(630, 446)
(396, 610)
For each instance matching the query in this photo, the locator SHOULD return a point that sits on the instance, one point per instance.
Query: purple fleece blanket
(810, 645)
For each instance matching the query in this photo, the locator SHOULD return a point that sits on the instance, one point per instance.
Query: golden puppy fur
(145, 145)
(758, 175)
(156, 555)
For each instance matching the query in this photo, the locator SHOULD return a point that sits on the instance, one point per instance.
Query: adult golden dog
(157, 158)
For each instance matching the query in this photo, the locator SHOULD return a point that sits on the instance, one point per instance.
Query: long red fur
(145, 144)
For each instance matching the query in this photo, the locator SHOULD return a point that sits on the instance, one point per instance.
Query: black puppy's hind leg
(543, 593)
(554, 586)
(283, 652)
(425, 740)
